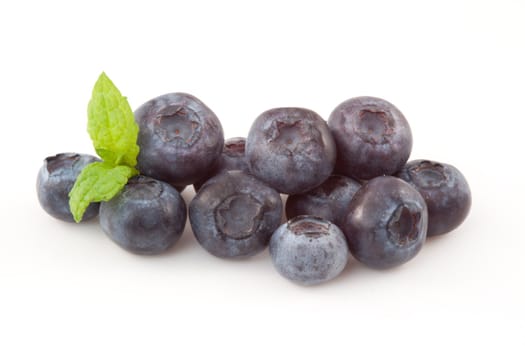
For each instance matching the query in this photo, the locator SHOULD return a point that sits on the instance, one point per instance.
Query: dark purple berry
(231, 158)
(329, 200)
(234, 214)
(180, 138)
(309, 250)
(373, 137)
(445, 191)
(291, 149)
(147, 217)
(386, 224)
(56, 179)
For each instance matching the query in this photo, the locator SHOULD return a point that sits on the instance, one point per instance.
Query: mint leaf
(111, 124)
(114, 132)
(97, 182)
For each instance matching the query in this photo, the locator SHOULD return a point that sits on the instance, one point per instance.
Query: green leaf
(111, 124)
(97, 182)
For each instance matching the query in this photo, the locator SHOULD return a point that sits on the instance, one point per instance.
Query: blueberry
(329, 200)
(234, 214)
(309, 250)
(445, 190)
(291, 149)
(386, 224)
(373, 137)
(180, 138)
(55, 180)
(146, 217)
(232, 158)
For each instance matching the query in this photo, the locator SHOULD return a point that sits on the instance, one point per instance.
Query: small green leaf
(97, 182)
(111, 124)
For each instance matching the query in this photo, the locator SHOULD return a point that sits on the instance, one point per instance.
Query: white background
(455, 69)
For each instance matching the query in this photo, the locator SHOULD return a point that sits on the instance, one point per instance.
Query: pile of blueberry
(349, 187)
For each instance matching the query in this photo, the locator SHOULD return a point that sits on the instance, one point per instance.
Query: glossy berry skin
(180, 138)
(146, 217)
(386, 224)
(445, 190)
(231, 158)
(373, 137)
(330, 200)
(55, 180)
(234, 214)
(309, 250)
(291, 149)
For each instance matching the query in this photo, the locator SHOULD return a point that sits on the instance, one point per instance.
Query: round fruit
(232, 158)
(147, 217)
(386, 224)
(445, 191)
(373, 137)
(234, 214)
(55, 180)
(329, 200)
(291, 149)
(309, 250)
(180, 138)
